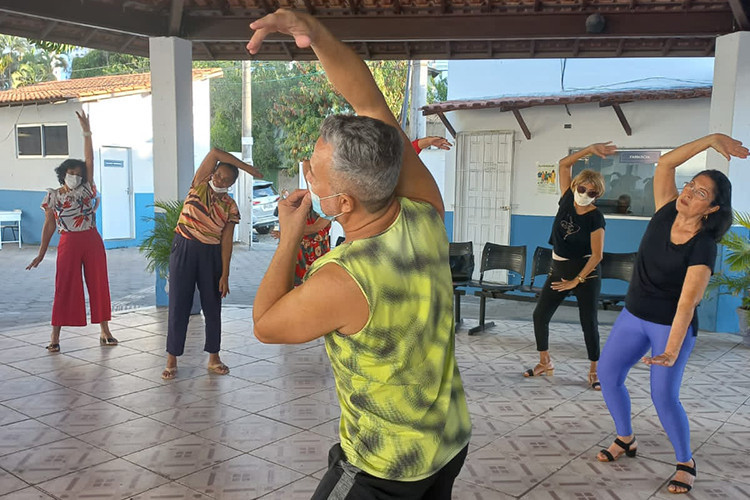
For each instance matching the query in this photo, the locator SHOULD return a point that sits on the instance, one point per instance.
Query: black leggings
(587, 294)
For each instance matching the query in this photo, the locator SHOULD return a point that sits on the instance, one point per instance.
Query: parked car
(265, 201)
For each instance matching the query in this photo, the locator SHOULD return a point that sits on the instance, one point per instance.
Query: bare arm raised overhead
(352, 78)
(665, 189)
(216, 155)
(600, 149)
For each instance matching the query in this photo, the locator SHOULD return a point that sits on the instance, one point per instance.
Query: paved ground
(99, 423)
(27, 295)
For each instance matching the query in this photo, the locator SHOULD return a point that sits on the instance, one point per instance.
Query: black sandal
(680, 484)
(53, 348)
(622, 444)
(107, 341)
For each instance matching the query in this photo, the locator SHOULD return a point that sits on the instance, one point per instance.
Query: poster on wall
(546, 179)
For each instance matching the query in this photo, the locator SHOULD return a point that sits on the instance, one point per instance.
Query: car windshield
(261, 191)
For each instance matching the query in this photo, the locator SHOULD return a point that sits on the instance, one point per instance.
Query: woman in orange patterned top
(201, 252)
(71, 209)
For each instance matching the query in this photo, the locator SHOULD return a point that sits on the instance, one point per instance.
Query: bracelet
(581, 279)
(87, 134)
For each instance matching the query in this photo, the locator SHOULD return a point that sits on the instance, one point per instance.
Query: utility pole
(246, 180)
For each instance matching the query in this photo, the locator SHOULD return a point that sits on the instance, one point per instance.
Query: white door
(483, 186)
(116, 188)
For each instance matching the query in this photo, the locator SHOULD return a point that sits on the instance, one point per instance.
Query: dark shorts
(343, 481)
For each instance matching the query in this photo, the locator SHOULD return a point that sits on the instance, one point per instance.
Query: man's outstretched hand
(302, 27)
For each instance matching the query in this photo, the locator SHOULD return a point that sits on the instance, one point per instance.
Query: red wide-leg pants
(76, 250)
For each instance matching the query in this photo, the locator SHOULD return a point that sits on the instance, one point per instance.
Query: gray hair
(367, 156)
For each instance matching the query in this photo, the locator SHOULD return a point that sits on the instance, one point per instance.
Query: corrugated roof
(606, 98)
(92, 87)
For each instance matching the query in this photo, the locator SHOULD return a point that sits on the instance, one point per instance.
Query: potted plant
(157, 247)
(736, 279)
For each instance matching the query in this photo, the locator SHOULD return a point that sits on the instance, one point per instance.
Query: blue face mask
(316, 204)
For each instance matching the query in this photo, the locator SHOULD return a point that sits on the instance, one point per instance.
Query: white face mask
(72, 181)
(582, 199)
(217, 189)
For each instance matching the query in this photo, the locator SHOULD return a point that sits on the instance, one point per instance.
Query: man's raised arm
(352, 78)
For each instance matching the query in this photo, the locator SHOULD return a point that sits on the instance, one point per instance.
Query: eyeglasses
(699, 192)
(582, 189)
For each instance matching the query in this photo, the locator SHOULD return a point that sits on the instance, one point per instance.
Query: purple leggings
(629, 341)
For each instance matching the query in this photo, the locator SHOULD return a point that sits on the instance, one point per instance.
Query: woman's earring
(705, 217)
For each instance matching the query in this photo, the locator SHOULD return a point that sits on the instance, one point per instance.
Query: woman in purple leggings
(675, 261)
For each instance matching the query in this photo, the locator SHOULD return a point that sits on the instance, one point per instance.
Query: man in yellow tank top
(383, 300)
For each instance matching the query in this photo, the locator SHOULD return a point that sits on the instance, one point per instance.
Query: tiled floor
(99, 423)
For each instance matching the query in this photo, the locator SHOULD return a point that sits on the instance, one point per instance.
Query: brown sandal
(218, 368)
(169, 373)
(53, 348)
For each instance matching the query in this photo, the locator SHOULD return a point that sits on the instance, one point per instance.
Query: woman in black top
(674, 263)
(577, 239)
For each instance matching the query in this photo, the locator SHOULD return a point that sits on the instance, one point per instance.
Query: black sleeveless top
(661, 267)
(571, 232)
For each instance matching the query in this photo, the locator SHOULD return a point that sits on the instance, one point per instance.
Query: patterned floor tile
(97, 354)
(709, 487)
(298, 490)
(133, 363)
(22, 353)
(171, 491)
(464, 490)
(241, 478)
(508, 411)
(35, 465)
(23, 386)
(486, 430)
(330, 429)
(195, 417)
(305, 452)
(501, 470)
(133, 435)
(27, 434)
(182, 456)
(54, 401)
(249, 433)
(117, 479)
(10, 483)
(254, 398)
(46, 363)
(301, 383)
(155, 400)
(88, 418)
(9, 416)
(262, 371)
(208, 386)
(586, 478)
(733, 437)
(113, 387)
(80, 374)
(27, 494)
(304, 412)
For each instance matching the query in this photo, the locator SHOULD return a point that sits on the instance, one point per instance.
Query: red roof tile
(105, 86)
(519, 102)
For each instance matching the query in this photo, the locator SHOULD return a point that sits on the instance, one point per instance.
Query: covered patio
(100, 423)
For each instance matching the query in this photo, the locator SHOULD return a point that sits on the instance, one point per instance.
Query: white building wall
(655, 124)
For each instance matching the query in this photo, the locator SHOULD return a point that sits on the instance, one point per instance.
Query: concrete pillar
(730, 109)
(730, 114)
(417, 99)
(172, 111)
(246, 204)
(172, 120)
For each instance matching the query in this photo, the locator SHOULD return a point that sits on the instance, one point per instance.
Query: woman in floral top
(72, 210)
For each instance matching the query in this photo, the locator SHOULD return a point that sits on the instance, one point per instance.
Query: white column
(246, 203)
(417, 99)
(172, 111)
(730, 109)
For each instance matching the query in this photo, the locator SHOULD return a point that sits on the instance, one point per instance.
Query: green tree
(23, 63)
(437, 88)
(101, 62)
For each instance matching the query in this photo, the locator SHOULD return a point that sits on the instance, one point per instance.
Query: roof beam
(451, 130)
(741, 11)
(390, 28)
(48, 30)
(522, 123)
(91, 14)
(175, 17)
(623, 120)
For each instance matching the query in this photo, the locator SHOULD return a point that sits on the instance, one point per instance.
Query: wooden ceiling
(392, 29)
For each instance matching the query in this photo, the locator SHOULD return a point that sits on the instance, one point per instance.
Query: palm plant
(737, 278)
(158, 244)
